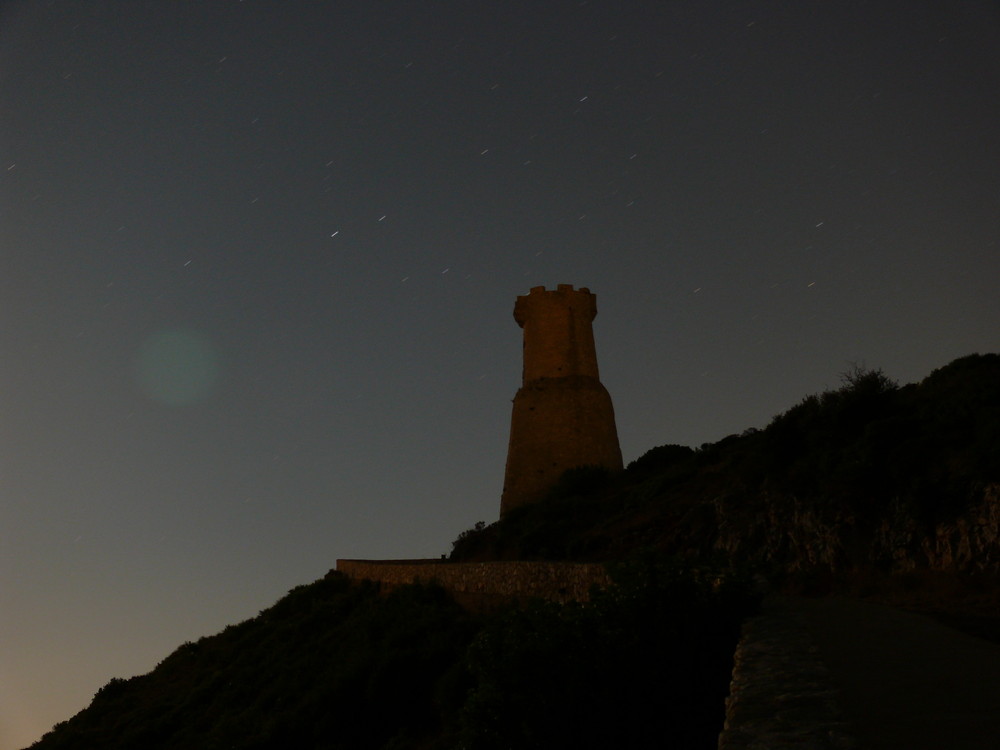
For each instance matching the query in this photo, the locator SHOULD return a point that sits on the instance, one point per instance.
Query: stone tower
(562, 416)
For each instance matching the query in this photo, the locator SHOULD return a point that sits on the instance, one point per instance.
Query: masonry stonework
(498, 581)
(781, 694)
(562, 416)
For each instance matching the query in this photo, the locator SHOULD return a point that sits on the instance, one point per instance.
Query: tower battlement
(558, 336)
(562, 416)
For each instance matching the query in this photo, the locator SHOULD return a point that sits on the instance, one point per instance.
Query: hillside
(337, 665)
(868, 477)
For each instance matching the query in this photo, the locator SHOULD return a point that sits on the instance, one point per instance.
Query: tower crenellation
(562, 416)
(558, 335)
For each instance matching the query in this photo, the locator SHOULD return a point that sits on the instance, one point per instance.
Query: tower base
(557, 424)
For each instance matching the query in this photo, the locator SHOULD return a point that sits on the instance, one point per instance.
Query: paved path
(905, 681)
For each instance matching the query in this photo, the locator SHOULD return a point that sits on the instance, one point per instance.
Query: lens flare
(177, 367)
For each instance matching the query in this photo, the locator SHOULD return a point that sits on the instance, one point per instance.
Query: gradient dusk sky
(259, 261)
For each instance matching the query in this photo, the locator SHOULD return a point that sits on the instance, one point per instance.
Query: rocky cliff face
(775, 530)
(970, 544)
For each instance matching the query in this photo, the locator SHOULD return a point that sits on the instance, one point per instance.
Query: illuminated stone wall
(502, 580)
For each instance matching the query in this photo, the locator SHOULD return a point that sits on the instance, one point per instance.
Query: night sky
(259, 261)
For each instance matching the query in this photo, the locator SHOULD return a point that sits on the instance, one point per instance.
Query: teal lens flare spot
(178, 368)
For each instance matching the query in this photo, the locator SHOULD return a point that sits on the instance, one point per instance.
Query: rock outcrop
(797, 535)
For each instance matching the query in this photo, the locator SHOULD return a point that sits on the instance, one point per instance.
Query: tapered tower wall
(562, 416)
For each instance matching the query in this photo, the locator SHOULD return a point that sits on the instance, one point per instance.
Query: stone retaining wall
(781, 694)
(553, 581)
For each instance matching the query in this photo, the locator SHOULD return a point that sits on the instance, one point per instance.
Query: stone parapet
(500, 580)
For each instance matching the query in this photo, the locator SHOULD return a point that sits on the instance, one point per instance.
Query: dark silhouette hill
(868, 478)
(336, 664)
